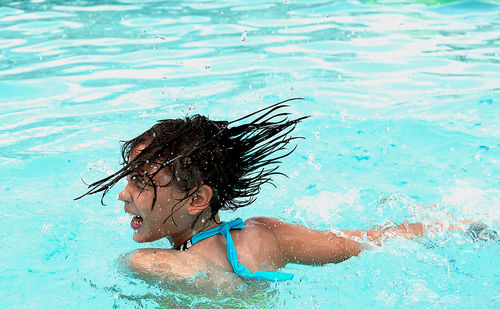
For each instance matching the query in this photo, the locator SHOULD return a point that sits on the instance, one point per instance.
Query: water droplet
(244, 36)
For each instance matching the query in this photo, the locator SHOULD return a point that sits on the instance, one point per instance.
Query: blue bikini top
(232, 257)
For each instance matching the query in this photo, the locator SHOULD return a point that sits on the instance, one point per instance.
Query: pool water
(404, 98)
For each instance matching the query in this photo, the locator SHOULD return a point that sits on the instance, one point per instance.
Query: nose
(125, 195)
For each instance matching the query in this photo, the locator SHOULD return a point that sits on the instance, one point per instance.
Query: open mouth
(136, 221)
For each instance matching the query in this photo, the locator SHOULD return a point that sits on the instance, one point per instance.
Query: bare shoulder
(265, 223)
(156, 262)
(269, 225)
(179, 266)
(263, 234)
(263, 227)
(167, 263)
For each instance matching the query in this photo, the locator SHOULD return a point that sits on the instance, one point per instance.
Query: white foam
(325, 206)
(474, 203)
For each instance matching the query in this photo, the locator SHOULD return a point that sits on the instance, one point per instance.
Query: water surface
(404, 98)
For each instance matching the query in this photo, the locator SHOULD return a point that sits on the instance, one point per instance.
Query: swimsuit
(232, 257)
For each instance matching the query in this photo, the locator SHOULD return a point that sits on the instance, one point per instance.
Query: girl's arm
(297, 244)
(375, 235)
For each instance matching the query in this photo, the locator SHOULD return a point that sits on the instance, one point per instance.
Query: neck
(202, 223)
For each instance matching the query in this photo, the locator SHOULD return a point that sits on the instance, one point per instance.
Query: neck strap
(232, 257)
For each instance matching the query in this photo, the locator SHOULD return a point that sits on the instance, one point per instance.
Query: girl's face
(147, 222)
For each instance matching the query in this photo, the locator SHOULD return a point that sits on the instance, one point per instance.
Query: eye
(139, 181)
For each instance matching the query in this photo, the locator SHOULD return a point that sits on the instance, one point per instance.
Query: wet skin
(263, 244)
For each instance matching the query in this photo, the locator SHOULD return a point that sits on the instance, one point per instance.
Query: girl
(182, 172)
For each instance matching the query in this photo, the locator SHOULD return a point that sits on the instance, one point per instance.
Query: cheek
(166, 203)
(143, 200)
(163, 201)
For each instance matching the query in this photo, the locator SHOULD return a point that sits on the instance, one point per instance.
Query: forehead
(149, 168)
(136, 151)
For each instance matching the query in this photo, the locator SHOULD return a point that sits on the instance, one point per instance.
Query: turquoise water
(404, 98)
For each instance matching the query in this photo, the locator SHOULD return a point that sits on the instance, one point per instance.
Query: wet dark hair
(233, 159)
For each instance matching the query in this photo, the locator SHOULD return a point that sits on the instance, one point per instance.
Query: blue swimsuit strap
(232, 257)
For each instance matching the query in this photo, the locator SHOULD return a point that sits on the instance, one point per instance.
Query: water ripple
(404, 97)
(363, 54)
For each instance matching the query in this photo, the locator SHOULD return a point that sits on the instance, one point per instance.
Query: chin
(139, 238)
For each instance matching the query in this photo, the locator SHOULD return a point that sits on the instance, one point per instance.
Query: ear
(200, 200)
